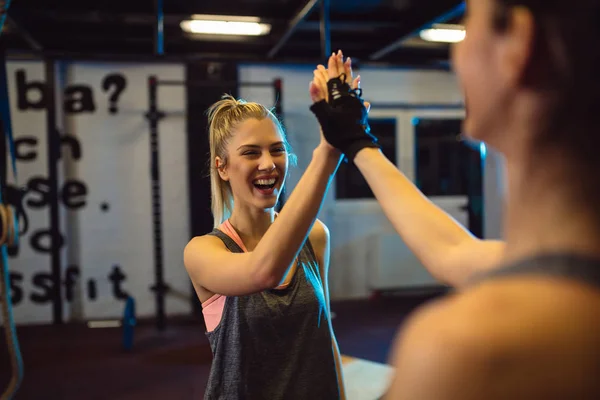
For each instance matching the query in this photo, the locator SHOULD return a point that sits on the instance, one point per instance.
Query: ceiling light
(225, 25)
(444, 34)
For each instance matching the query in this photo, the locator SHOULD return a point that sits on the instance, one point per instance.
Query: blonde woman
(262, 276)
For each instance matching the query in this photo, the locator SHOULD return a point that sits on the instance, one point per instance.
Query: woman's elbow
(264, 275)
(265, 280)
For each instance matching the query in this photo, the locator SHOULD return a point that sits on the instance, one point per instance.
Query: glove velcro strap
(338, 88)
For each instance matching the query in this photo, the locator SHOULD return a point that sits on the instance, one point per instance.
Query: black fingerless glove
(344, 120)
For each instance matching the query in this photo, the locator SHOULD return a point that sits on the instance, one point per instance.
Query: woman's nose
(266, 163)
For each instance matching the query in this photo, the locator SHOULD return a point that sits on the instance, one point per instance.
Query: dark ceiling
(374, 31)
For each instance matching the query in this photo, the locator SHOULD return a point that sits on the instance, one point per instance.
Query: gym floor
(75, 362)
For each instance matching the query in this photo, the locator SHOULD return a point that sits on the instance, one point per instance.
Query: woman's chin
(266, 202)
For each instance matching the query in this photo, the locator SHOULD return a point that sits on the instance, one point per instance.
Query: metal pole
(396, 44)
(27, 37)
(3, 148)
(298, 18)
(159, 287)
(159, 34)
(325, 29)
(53, 141)
(278, 106)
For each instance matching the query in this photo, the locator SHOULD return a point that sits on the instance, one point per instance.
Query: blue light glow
(482, 150)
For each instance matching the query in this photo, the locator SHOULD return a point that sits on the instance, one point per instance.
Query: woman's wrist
(328, 154)
(327, 149)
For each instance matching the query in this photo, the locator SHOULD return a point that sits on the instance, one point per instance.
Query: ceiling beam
(455, 12)
(293, 24)
(117, 16)
(173, 20)
(24, 34)
(410, 61)
(339, 26)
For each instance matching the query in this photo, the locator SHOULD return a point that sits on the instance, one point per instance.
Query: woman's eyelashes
(255, 153)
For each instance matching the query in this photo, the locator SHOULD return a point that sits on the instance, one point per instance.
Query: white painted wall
(494, 192)
(115, 167)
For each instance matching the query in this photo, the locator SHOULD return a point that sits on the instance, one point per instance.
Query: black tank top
(275, 344)
(584, 269)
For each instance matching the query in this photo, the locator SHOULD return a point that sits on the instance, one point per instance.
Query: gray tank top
(576, 267)
(275, 344)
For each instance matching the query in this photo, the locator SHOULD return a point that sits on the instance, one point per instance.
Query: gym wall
(105, 184)
(107, 219)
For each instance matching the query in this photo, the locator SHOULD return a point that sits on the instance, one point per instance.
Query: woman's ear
(518, 46)
(221, 168)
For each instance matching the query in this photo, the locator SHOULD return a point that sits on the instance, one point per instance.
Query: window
(449, 166)
(349, 183)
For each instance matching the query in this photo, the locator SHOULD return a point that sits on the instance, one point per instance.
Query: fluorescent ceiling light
(225, 25)
(444, 34)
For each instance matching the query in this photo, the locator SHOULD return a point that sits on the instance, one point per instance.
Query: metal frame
(325, 28)
(159, 33)
(27, 37)
(154, 115)
(178, 59)
(160, 56)
(298, 18)
(456, 12)
(53, 149)
(159, 20)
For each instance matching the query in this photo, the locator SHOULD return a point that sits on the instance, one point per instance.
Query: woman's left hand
(336, 66)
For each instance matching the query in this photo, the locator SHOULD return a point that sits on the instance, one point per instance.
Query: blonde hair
(223, 118)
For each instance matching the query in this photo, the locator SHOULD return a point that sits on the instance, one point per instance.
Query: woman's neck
(545, 213)
(251, 224)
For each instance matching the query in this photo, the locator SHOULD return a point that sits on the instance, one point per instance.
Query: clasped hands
(339, 107)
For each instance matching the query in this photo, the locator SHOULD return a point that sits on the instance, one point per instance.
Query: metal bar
(214, 84)
(3, 148)
(325, 28)
(278, 106)
(415, 106)
(61, 15)
(4, 5)
(170, 19)
(408, 63)
(53, 146)
(128, 56)
(159, 34)
(25, 35)
(159, 287)
(367, 27)
(454, 13)
(306, 10)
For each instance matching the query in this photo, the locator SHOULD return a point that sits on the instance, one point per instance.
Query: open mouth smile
(265, 185)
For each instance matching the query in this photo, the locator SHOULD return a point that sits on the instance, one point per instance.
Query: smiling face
(257, 163)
